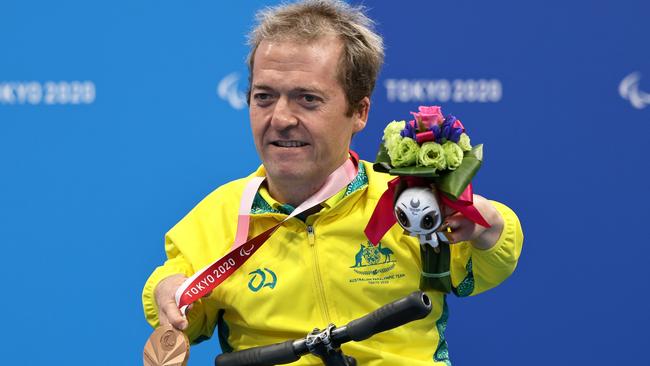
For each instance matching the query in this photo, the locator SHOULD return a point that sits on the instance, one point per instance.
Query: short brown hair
(363, 49)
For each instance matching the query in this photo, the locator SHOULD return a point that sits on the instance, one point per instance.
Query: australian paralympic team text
(210, 278)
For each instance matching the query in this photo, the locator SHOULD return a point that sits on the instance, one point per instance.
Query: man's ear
(361, 114)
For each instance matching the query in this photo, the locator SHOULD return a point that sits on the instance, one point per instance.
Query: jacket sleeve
(474, 271)
(202, 315)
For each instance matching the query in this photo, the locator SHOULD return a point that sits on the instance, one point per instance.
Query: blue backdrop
(116, 118)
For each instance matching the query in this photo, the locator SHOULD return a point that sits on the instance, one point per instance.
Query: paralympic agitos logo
(228, 90)
(629, 89)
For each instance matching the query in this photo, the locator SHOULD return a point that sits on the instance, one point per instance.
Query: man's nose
(283, 116)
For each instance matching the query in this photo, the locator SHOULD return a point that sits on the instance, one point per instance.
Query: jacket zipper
(320, 288)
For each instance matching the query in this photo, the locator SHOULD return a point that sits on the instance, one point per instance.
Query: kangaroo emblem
(372, 255)
(358, 257)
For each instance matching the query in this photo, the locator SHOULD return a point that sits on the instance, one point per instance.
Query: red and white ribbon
(205, 280)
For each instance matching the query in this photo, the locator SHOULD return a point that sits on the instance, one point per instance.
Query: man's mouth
(289, 143)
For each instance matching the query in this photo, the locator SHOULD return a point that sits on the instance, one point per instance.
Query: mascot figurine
(418, 212)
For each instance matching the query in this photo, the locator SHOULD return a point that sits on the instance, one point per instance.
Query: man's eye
(263, 99)
(261, 96)
(310, 98)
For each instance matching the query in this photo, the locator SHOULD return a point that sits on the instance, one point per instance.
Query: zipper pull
(310, 235)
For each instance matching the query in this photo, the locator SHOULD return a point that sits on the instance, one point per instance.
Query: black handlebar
(407, 309)
(274, 354)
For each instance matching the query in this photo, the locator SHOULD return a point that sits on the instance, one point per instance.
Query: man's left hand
(463, 229)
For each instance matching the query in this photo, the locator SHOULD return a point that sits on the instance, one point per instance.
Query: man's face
(298, 110)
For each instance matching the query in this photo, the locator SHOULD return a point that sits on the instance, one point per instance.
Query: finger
(453, 221)
(453, 228)
(173, 315)
(162, 318)
(449, 236)
(445, 230)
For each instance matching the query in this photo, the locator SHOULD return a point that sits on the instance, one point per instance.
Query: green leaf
(455, 182)
(382, 162)
(435, 268)
(416, 171)
(477, 151)
(382, 154)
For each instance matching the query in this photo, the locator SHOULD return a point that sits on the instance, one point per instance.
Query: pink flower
(428, 116)
(457, 124)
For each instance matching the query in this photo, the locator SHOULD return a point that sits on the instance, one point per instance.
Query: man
(313, 67)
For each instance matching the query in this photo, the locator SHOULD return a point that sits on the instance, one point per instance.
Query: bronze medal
(166, 346)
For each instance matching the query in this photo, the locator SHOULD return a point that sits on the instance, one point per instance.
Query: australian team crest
(372, 260)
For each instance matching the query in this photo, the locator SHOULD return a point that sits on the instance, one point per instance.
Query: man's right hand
(168, 312)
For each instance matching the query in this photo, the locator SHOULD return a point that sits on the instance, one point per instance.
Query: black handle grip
(274, 354)
(415, 306)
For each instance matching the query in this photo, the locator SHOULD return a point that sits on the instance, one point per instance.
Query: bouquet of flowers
(431, 151)
(430, 146)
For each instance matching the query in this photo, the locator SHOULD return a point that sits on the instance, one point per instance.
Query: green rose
(432, 155)
(406, 153)
(394, 128)
(453, 154)
(463, 142)
(392, 135)
(391, 144)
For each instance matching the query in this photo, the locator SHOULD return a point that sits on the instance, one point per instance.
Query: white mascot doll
(419, 213)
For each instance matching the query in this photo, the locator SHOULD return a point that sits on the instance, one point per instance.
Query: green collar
(264, 203)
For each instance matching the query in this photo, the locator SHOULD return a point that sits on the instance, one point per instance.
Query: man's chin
(289, 169)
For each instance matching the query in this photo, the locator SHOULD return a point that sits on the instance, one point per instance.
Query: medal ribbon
(208, 278)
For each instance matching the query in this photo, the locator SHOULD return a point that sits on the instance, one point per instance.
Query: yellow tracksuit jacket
(319, 271)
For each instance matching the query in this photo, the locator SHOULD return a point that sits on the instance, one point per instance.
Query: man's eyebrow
(297, 90)
(261, 87)
(308, 90)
